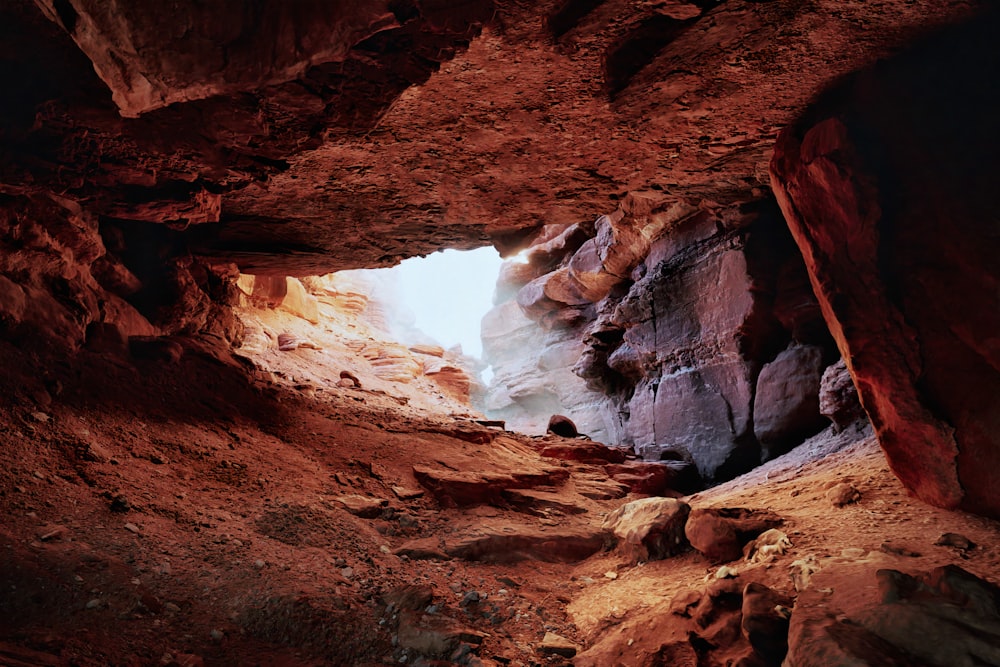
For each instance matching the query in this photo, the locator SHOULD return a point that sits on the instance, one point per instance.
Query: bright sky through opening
(449, 292)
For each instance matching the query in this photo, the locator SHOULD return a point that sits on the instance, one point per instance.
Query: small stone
(132, 528)
(38, 474)
(171, 607)
(362, 506)
(611, 574)
(405, 493)
(40, 417)
(93, 604)
(960, 542)
(217, 635)
(120, 504)
(50, 533)
(470, 598)
(347, 572)
(553, 644)
(726, 572)
(843, 494)
(157, 458)
(259, 564)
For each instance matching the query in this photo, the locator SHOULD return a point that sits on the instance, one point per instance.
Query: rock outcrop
(883, 187)
(947, 616)
(657, 321)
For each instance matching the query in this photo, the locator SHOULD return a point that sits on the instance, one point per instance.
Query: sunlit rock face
(888, 187)
(652, 327)
(347, 330)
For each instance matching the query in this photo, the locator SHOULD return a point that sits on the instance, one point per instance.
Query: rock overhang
(311, 138)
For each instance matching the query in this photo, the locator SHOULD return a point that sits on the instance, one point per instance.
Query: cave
(743, 405)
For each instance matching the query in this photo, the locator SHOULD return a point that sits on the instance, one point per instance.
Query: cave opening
(443, 296)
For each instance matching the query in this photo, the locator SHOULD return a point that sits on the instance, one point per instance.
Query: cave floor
(189, 513)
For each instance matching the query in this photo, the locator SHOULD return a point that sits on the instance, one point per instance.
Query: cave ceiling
(301, 138)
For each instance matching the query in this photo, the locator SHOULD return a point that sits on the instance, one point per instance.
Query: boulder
(765, 621)
(838, 397)
(563, 426)
(649, 529)
(879, 617)
(720, 534)
(786, 403)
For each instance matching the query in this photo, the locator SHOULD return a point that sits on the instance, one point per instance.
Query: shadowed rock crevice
(569, 14)
(638, 48)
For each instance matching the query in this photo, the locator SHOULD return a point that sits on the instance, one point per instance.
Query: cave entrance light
(447, 294)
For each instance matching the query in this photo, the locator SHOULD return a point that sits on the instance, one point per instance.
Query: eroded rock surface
(947, 616)
(666, 355)
(882, 186)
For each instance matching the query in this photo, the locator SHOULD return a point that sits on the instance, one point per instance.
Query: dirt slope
(190, 512)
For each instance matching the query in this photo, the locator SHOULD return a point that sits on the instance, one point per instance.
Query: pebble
(171, 607)
(94, 604)
(132, 528)
(217, 635)
(611, 574)
(51, 533)
(259, 564)
(347, 572)
(554, 644)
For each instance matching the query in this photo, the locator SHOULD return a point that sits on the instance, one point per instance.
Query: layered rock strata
(663, 326)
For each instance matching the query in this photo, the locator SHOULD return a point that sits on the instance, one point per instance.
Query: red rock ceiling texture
(144, 148)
